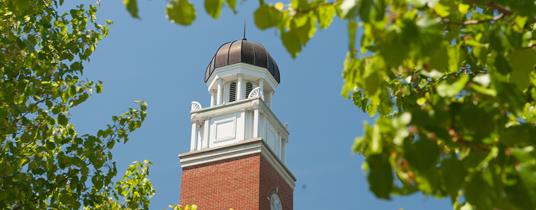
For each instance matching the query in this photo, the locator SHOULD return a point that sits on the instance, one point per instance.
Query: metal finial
(244, 34)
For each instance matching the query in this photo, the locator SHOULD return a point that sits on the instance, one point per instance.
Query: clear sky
(154, 60)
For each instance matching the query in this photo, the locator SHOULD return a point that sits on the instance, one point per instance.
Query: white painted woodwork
(248, 117)
(238, 121)
(248, 72)
(212, 98)
(240, 91)
(220, 92)
(205, 135)
(193, 141)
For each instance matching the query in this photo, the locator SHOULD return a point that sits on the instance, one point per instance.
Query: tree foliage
(451, 85)
(45, 163)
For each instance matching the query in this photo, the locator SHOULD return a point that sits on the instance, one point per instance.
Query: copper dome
(242, 51)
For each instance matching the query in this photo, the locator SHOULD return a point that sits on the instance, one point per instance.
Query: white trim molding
(256, 92)
(195, 106)
(240, 149)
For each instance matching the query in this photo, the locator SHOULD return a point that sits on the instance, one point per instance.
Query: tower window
(232, 92)
(275, 202)
(249, 88)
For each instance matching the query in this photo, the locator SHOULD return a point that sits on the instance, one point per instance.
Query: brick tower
(237, 149)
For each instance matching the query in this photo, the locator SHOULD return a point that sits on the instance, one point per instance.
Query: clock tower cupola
(237, 156)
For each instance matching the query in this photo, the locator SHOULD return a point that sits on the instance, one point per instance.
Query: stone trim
(244, 148)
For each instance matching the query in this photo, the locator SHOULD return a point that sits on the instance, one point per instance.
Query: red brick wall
(271, 182)
(243, 183)
(222, 185)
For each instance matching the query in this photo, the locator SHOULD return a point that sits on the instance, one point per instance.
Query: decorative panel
(225, 129)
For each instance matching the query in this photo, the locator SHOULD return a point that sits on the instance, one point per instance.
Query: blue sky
(154, 60)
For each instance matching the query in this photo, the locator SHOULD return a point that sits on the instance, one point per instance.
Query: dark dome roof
(242, 51)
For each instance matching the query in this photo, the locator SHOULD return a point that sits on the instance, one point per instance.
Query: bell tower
(237, 146)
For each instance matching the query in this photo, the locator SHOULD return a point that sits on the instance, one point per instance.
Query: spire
(244, 34)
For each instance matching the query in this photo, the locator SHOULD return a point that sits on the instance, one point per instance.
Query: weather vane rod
(244, 33)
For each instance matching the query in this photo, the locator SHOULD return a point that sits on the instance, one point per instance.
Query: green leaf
(479, 192)
(463, 8)
(428, 181)
(371, 10)
(62, 119)
(376, 145)
(76, 66)
(509, 94)
(232, 5)
(523, 62)
(453, 174)
(291, 41)
(502, 65)
(98, 87)
(422, 155)
(444, 89)
(267, 16)
(325, 14)
(348, 9)
(442, 10)
(181, 12)
(477, 119)
(305, 27)
(454, 58)
(132, 7)
(393, 49)
(518, 135)
(213, 7)
(527, 170)
(439, 59)
(352, 34)
(20, 6)
(380, 177)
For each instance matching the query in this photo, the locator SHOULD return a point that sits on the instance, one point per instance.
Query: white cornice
(246, 104)
(243, 148)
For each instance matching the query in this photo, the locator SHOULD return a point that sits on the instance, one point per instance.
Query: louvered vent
(232, 92)
(249, 88)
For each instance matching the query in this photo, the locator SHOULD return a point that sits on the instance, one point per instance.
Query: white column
(220, 92)
(283, 147)
(256, 123)
(212, 98)
(193, 141)
(268, 98)
(261, 86)
(240, 89)
(241, 126)
(205, 134)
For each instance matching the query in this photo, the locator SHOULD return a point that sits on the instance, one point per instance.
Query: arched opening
(249, 88)
(232, 92)
(275, 202)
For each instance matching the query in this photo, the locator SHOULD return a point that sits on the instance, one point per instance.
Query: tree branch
(474, 22)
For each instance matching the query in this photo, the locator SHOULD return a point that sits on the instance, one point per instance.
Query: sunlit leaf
(291, 42)
(325, 15)
(232, 4)
(181, 12)
(267, 16)
(213, 7)
(449, 90)
(132, 7)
